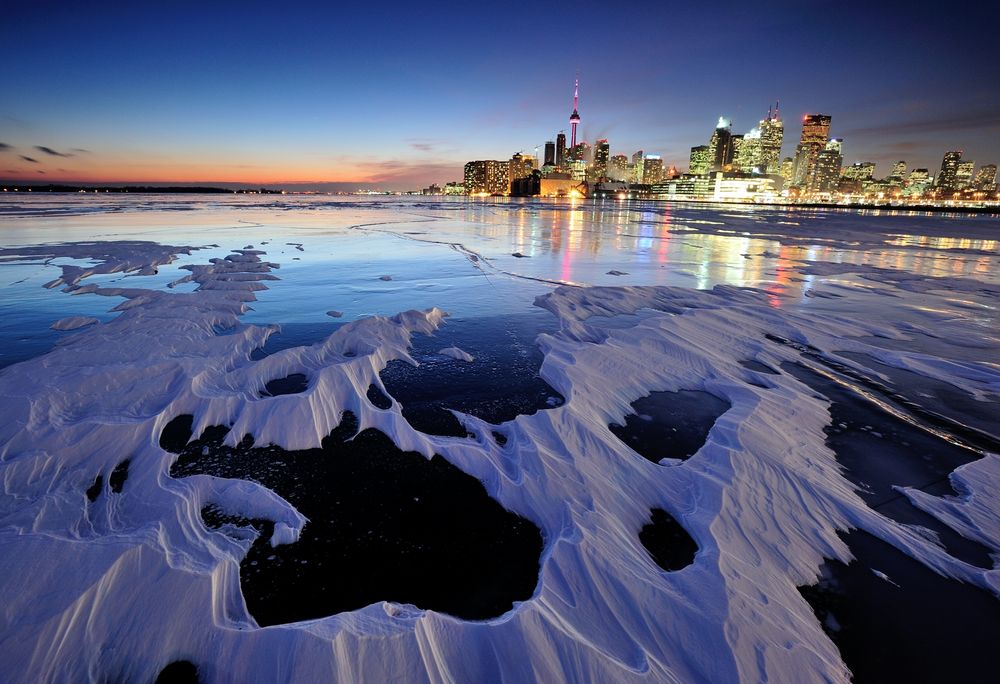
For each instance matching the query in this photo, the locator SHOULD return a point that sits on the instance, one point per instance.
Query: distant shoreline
(139, 189)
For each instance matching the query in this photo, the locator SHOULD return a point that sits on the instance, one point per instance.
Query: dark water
(670, 545)
(384, 525)
(670, 424)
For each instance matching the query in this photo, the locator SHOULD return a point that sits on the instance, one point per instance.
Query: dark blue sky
(402, 94)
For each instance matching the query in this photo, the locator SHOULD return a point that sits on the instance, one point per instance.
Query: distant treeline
(136, 189)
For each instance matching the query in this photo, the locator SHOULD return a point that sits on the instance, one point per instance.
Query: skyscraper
(487, 176)
(574, 118)
(550, 153)
(772, 134)
(720, 145)
(638, 158)
(748, 153)
(520, 166)
(815, 134)
(860, 171)
(946, 179)
(898, 170)
(700, 160)
(618, 168)
(828, 167)
(602, 151)
(561, 150)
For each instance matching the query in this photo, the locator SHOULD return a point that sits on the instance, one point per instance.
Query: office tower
(898, 170)
(574, 118)
(947, 178)
(828, 167)
(487, 176)
(550, 153)
(700, 160)
(860, 171)
(787, 168)
(520, 166)
(772, 135)
(815, 135)
(963, 174)
(748, 152)
(561, 150)
(986, 179)
(579, 152)
(720, 145)
(918, 181)
(652, 169)
(618, 168)
(638, 163)
(602, 152)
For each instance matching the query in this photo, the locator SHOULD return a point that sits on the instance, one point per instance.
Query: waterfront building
(859, 171)
(550, 153)
(454, 188)
(963, 174)
(700, 161)
(815, 135)
(986, 179)
(578, 170)
(828, 165)
(652, 169)
(918, 182)
(520, 165)
(618, 168)
(602, 152)
(489, 177)
(948, 176)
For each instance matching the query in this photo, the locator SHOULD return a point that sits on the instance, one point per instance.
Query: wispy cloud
(80, 150)
(5, 146)
(28, 159)
(41, 172)
(54, 153)
(988, 119)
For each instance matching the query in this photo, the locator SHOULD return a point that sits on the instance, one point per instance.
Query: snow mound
(74, 322)
(456, 353)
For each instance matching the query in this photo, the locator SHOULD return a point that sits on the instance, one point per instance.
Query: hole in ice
(501, 382)
(118, 476)
(879, 450)
(176, 434)
(378, 399)
(94, 490)
(295, 383)
(906, 623)
(178, 672)
(670, 424)
(382, 527)
(754, 365)
(667, 541)
(500, 438)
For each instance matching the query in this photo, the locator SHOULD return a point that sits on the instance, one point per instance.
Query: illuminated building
(986, 179)
(579, 152)
(578, 170)
(737, 145)
(717, 186)
(454, 188)
(748, 153)
(898, 170)
(787, 168)
(652, 169)
(618, 168)
(637, 166)
(561, 150)
(815, 134)
(947, 178)
(550, 153)
(602, 150)
(860, 171)
(963, 174)
(918, 182)
(828, 163)
(720, 145)
(487, 177)
(574, 118)
(700, 161)
(520, 165)
(772, 134)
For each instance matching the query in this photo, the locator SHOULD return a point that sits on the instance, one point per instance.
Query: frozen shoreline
(134, 579)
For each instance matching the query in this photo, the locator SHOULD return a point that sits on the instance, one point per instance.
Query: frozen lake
(311, 437)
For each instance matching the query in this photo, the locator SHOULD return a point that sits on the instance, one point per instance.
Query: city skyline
(259, 98)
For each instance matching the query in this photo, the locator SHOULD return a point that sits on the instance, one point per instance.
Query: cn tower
(574, 118)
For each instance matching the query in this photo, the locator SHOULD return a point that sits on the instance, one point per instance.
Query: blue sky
(401, 95)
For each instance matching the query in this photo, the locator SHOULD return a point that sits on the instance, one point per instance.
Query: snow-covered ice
(120, 585)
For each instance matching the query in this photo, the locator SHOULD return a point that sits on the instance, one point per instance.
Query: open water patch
(670, 424)
(880, 452)
(296, 383)
(670, 545)
(384, 525)
(499, 384)
(895, 620)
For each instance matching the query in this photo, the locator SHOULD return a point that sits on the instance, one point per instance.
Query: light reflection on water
(348, 243)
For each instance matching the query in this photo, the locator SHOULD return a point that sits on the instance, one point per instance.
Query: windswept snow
(457, 354)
